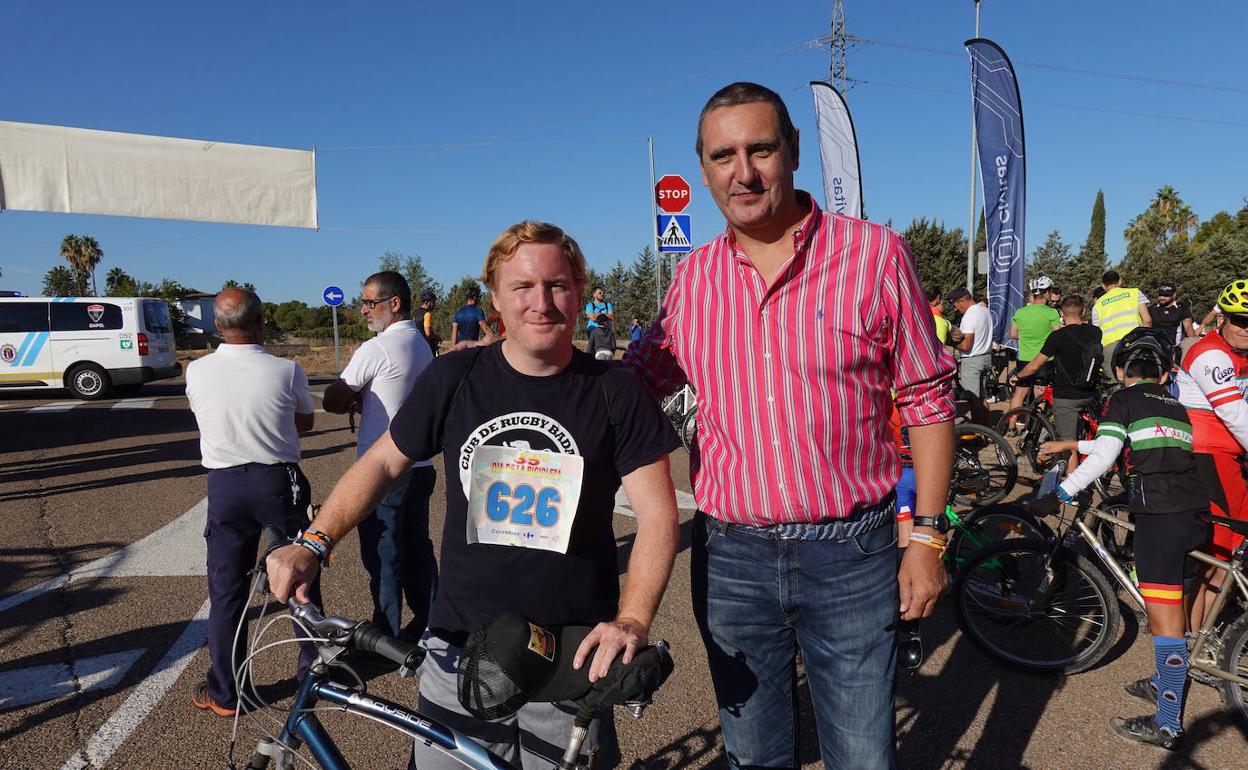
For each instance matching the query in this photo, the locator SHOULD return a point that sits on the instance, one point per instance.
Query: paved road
(102, 600)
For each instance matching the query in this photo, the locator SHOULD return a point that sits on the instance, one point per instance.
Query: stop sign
(672, 194)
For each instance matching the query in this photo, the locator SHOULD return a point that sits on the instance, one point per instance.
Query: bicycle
(1045, 607)
(625, 685)
(984, 467)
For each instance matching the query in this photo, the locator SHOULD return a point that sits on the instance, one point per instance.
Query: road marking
(37, 684)
(178, 548)
(684, 501)
(135, 403)
(144, 698)
(56, 406)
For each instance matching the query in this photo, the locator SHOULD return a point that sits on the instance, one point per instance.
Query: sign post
(333, 297)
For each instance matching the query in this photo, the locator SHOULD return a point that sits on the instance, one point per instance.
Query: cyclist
(428, 300)
(1167, 496)
(1076, 349)
(1171, 316)
(1055, 298)
(1031, 326)
(537, 437)
(1117, 311)
(1211, 386)
(469, 322)
(937, 304)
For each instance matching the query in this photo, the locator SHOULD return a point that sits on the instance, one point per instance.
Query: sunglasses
(372, 303)
(1237, 320)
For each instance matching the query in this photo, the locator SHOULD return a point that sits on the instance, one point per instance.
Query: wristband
(903, 514)
(928, 540)
(316, 534)
(316, 545)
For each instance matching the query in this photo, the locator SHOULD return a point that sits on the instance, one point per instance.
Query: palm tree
(92, 254)
(83, 253)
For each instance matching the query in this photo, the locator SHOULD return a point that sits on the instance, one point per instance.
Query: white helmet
(1037, 285)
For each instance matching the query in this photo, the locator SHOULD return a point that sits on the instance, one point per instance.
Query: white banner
(82, 171)
(838, 147)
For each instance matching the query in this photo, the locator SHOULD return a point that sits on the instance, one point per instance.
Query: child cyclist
(1167, 496)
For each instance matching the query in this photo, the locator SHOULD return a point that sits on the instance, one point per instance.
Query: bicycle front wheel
(985, 527)
(984, 468)
(1035, 611)
(1234, 658)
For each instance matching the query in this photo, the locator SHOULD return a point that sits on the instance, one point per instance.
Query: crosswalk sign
(675, 233)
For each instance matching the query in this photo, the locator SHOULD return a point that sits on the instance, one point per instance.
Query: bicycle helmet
(1144, 343)
(1037, 285)
(1234, 298)
(428, 296)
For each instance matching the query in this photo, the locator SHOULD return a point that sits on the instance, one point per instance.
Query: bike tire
(1037, 429)
(1234, 657)
(984, 466)
(985, 527)
(689, 429)
(999, 606)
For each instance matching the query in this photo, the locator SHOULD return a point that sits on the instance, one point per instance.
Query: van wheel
(88, 382)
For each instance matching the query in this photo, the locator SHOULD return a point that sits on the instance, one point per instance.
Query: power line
(1186, 118)
(826, 40)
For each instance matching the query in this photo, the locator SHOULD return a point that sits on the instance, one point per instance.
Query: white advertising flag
(838, 147)
(83, 171)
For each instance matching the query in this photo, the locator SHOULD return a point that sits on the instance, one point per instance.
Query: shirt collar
(398, 326)
(235, 349)
(801, 236)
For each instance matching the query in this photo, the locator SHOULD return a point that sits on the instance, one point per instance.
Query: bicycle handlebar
(362, 635)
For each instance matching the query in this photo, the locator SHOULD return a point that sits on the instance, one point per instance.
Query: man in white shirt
(251, 408)
(973, 338)
(394, 539)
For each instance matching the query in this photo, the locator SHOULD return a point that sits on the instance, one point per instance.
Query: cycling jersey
(1154, 428)
(1212, 381)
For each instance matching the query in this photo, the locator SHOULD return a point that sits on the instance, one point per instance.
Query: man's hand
(921, 580)
(610, 637)
(291, 570)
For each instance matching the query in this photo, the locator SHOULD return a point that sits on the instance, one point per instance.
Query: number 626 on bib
(523, 498)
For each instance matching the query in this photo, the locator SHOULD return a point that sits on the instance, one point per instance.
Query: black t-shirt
(1169, 317)
(1157, 434)
(596, 409)
(1070, 346)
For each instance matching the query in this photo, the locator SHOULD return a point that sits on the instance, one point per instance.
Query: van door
(161, 349)
(25, 356)
(86, 345)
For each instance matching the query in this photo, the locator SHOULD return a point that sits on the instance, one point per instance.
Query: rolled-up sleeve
(922, 368)
(653, 357)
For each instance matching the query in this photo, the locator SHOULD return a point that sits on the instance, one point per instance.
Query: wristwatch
(938, 523)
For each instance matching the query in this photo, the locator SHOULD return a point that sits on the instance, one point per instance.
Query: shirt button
(770, 399)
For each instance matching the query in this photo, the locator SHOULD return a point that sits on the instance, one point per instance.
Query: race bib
(523, 497)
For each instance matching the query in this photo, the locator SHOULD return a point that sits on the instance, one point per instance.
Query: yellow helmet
(1234, 298)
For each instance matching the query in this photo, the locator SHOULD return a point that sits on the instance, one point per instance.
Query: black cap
(1166, 289)
(509, 662)
(957, 294)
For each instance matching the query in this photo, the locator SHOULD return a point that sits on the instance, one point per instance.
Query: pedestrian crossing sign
(675, 233)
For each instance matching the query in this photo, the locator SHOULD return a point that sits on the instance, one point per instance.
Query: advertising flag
(1003, 170)
(838, 147)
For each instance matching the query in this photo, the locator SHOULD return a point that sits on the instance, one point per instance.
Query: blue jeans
(758, 599)
(398, 554)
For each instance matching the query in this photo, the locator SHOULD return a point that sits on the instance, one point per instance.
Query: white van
(91, 345)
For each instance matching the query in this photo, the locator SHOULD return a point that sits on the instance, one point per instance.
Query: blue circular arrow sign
(333, 296)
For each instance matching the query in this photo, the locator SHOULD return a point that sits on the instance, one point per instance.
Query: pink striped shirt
(794, 381)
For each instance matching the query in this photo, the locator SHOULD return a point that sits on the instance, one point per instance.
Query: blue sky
(500, 111)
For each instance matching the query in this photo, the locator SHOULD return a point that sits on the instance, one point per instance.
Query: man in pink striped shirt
(796, 327)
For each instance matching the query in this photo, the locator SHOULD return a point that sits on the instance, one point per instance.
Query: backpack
(1090, 362)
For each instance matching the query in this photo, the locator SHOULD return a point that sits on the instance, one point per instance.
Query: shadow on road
(35, 565)
(26, 432)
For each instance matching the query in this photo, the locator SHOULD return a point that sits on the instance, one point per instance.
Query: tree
(412, 268)
(1167, 222)
(60, 281)
(1090, 263)
(83, 253)
(1051, 258)
(641, 290)
(119, 283)
(939, 254)
(233, 284)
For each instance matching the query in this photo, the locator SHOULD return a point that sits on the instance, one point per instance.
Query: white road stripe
(135, 403)
(105, 741)
(56, 406)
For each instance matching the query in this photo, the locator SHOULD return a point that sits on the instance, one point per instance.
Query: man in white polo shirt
(973, 338)
(394, 539)
(251, 408)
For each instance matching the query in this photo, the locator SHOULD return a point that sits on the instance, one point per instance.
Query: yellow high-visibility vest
(1117, 312)
(942, 329)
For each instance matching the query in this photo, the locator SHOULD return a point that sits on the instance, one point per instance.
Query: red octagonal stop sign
(672, 194)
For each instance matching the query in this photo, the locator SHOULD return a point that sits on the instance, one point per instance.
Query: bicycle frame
(303, 727)
(1204, 636)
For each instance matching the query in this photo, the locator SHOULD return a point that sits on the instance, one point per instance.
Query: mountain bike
(337, 638)
(1043, 606)
(984, 467)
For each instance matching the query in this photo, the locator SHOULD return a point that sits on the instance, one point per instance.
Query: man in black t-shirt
(1076, 346)
(537, 438)
(1171, 316)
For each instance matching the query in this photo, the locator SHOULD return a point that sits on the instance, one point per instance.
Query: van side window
(23, 317)
(156, 318)
(85, 316)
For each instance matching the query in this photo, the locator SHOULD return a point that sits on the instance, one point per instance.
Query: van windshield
(156, 318)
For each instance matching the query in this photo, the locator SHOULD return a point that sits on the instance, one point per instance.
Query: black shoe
(1144, 730)
(1142, 689)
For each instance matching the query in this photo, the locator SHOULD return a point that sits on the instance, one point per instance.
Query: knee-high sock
(1169, 680)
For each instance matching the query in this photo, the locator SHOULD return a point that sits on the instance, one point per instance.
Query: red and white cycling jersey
(1213, 380)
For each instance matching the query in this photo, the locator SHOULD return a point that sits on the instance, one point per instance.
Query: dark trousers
(398, 554)
(242, 501)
